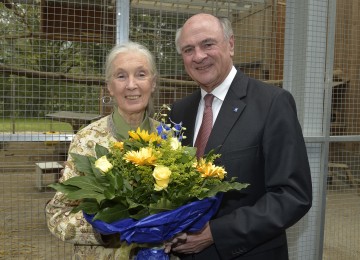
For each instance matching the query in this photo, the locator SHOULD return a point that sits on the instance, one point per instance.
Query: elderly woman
(131, 80)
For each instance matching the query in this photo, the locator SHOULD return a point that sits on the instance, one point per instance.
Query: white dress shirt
(219, 92)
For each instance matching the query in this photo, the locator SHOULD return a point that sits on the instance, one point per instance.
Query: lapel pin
(236, 109)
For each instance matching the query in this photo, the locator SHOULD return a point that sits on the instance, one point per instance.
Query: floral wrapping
(160, 227)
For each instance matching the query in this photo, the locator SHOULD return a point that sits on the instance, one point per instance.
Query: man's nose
(199, 55)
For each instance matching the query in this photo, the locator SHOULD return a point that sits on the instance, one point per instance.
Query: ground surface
(24, 235)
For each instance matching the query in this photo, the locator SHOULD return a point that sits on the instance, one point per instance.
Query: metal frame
(38, 137)
(304, 47)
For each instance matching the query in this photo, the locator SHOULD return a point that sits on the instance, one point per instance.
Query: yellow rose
(174, 143)
(162, 177)
(103, 164)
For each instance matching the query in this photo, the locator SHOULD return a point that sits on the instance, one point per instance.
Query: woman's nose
(131, 84)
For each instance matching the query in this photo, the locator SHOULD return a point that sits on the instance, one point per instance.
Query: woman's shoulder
(97, 125)
(97, 130)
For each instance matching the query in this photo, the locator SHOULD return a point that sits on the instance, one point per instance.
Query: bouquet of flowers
(148, 187)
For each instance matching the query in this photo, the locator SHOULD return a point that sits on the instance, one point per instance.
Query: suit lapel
(190, 117)
(229, 113)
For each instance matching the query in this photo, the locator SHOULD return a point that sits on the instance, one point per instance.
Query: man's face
(207, 55)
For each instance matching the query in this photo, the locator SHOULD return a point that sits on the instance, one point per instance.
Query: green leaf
(83, 163)
(96, 171)
(132, 145)
(109, 193)
(75, 210)
(63, 188)
(224, 187)
(85, 194)
(190, 150)
(161, 205)
(132, 203)
(100, 150)
(85, 182)
(127, 186)
(89, 207)
(119, 181)
(144, 212)
(112, 214)
(136, 176)
(111, 179)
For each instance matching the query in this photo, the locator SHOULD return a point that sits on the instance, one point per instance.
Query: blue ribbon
(163, 226)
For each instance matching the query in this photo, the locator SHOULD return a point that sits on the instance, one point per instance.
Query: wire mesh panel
(316, 77)
(52, 55)
(342, 222)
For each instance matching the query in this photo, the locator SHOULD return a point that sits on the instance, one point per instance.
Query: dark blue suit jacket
(260, 139)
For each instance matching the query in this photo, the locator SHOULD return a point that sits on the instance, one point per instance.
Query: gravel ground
(342, 224)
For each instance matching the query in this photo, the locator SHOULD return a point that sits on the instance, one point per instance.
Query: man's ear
(232, 45)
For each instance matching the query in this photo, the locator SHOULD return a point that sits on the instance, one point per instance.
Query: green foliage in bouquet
(143, 175)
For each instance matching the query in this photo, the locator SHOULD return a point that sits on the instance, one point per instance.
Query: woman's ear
(153, 87)
(108, 86)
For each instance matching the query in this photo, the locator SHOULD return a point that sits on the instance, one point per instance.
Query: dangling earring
(107, 100)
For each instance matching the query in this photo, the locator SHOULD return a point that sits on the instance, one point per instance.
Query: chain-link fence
(52, 56)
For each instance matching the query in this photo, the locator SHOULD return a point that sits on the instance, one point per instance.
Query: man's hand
(186, 243)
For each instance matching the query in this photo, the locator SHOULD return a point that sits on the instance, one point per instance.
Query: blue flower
(178, 130)
(163, 130)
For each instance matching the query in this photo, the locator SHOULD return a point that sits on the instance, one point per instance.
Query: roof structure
(223, 8)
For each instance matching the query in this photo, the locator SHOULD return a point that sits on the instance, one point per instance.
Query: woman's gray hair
(133, 47)
(128, 47)
(225, 24)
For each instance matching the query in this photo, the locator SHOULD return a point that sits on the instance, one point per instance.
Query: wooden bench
(47, 173)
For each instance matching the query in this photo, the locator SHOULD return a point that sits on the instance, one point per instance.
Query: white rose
(103, 164)
(174, 143)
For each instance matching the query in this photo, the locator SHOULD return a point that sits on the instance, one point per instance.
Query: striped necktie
(206, 126)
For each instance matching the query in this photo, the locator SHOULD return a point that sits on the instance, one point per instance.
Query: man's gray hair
(225, 24)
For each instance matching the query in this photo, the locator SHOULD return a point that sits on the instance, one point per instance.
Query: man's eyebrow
(207, 40)
(187, 46)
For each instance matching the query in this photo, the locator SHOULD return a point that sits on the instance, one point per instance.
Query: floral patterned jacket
(73, 228)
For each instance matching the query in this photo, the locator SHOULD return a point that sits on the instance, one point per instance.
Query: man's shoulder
(189, 99)
(246, 86)
(265, 86)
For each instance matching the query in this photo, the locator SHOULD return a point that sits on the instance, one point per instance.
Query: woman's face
(131, 83)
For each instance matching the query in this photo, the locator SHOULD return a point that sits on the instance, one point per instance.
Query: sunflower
(207, 169)
(143, 135)
(145, 156)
